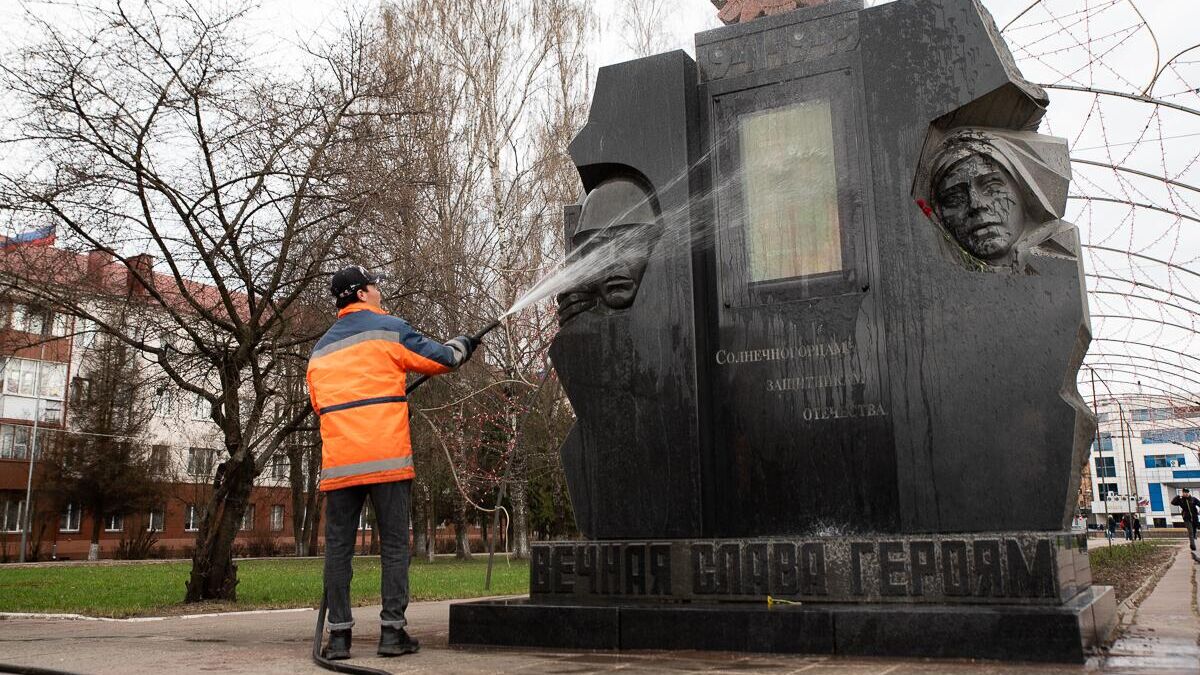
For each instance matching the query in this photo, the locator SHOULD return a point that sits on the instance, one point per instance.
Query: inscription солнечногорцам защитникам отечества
(837, 365)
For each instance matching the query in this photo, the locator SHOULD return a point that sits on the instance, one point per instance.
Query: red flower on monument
(741, 11)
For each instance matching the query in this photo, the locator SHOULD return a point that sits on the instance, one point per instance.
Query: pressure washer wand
(475, 340)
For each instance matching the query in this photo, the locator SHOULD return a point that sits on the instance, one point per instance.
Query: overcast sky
(1097, 43)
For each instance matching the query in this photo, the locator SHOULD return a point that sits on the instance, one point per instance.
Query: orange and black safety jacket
(356, 378)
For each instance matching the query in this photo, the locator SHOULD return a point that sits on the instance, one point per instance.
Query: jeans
(1191, 528)
(342, 508)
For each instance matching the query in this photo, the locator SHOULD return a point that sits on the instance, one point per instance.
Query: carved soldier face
(615, 232)
(615, 261)
(622, 252)
(980, 203)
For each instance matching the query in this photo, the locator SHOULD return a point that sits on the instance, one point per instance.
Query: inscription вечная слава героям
(927, 569)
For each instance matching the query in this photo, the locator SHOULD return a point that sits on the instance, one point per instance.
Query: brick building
(45, 372)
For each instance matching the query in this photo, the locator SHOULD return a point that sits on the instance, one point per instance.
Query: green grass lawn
(157, 588)
(1126, 566)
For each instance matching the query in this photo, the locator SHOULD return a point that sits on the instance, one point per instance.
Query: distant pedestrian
(1137, 528)
(1191, 513)
(1111, 529)
(1127, 525)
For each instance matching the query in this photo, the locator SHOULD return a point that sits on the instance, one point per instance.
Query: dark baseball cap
(348, 280)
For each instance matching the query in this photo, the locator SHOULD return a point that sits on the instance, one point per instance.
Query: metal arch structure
(1137, 203)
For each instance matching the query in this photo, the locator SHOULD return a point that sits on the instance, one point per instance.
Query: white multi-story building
(1147, 449)
(45, 375)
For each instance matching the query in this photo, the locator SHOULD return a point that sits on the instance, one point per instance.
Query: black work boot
(338, 647)
(396, 642)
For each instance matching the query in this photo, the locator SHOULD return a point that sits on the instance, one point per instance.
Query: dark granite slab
(1004, 632)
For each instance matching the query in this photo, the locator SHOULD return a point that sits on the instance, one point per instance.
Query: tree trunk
(94, 549)
(214, 574)
(520, 517)
(462, 544)
(312, 529)
(300, 514)
(430, 526)
(420, 510)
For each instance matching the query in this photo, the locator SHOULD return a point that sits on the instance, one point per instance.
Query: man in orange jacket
(356, 378)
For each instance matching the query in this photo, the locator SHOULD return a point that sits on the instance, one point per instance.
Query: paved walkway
(1163, 639)
(1164, 635)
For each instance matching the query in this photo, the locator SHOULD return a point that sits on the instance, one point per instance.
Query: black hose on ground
(317, 655)
(32, 670)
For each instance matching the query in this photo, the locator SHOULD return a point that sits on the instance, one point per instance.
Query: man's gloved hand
(462, 346)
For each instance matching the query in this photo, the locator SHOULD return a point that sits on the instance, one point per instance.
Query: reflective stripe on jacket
(356, 378)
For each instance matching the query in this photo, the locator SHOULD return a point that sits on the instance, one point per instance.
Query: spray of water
(679, 229)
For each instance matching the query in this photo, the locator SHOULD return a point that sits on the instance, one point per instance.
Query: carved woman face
(980, 203)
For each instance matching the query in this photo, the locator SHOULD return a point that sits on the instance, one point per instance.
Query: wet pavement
(1160, 638)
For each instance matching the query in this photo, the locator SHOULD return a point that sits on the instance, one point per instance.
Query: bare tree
(515, 86)
(643, 25)
(151, 130)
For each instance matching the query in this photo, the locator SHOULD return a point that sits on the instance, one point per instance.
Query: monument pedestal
(1060, 633)
(1024, 596)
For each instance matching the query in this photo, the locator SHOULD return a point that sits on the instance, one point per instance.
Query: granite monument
(851, 385)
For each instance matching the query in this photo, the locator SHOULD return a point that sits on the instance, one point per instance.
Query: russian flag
(43, 236)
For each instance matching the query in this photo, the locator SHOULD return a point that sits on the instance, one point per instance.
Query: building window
(22, 378)
(164, 400)
(27, 319)
(201, 408)
(1189, 435)
(69, 520)
(114, 523)
(52, 411)
(191, 518)
(81, 390)
(248, 518)
(10, 517)
(157, 516)
(16, 318)
(277, 518)
(1106, 489)
(200, 461)
(14, 441)
(1106, 442)
(159, 461)
(43, 382)
(53, 380)
(364, 518)
(1106, 467)
(19, 375)
(1164, 461)
(38, 321)
(1151, 414)
(279, 466)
